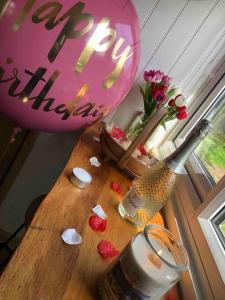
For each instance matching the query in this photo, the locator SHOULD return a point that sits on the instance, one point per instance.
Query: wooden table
(44, 267)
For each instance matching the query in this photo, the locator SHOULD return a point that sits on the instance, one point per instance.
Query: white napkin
(94, 161)
(98, 210)
(71, 236)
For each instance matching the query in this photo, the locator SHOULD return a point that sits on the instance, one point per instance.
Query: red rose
(159, 96)
(181, 109)
(158, 87)
(163, 88)
(117, 133)
(141, 148)
(181, 116)
(171, 103)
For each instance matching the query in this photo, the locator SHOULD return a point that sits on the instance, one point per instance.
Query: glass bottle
(150, 192)
(147, 268)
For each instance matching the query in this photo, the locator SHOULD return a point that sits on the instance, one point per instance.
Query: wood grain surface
(44, 267)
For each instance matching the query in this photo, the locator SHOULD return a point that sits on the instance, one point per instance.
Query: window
(212, 221)
(206, 165)
(211, 151)
(201, 190)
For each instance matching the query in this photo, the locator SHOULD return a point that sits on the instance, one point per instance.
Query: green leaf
(142, 91)
(171, 93)
(147, 90)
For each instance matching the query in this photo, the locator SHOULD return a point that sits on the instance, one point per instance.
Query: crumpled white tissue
(98, 210)
(94, 161)
(71, 236)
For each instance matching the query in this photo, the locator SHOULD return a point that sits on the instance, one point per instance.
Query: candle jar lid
(162, 242)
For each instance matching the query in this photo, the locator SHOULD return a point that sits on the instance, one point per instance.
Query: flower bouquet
(161, 105)
(157, 92)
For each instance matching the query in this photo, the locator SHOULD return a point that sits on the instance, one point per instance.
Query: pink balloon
(66, 64)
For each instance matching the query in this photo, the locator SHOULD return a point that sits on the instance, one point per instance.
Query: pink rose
(149, 75)
(158, 75)
(166, 79)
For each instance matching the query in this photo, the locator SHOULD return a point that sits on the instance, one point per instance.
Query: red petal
(171, 296)
(106, 249)
(141, 147)
(98, 224)
(117, 133)
(117, 188)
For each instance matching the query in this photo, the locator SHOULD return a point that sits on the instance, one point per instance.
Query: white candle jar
(147, 268)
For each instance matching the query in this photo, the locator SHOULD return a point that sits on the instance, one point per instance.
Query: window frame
(193, 166)
(190, 204)
(205, 220)
(198, 99)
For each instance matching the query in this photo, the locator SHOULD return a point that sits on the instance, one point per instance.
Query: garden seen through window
(211, 151)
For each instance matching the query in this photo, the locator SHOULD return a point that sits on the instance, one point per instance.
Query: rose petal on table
(106, 249)
(94, 161)
(117, 188)
(98, 210)
(97, 224)
(71, 237)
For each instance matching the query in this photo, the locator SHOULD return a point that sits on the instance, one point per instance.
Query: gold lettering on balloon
(77, 23)
(81, 93)
(25, 100)
(48, 85)
(3, 6)
(42, 101)
(74, 17)
(123, 57)
(101, 112)
(24, 12)
(52, 8)
(84, 110)
(95, 43)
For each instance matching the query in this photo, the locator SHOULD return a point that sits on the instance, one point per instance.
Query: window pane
(222, 227)
(211, 151)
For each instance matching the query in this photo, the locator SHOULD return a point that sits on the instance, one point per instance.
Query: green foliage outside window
(212, 148)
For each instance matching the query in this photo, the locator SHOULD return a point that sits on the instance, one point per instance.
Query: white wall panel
(204, 71)
(201, 45)
(144, 10)
(162, 18)
(185, 38)
(180, 35)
